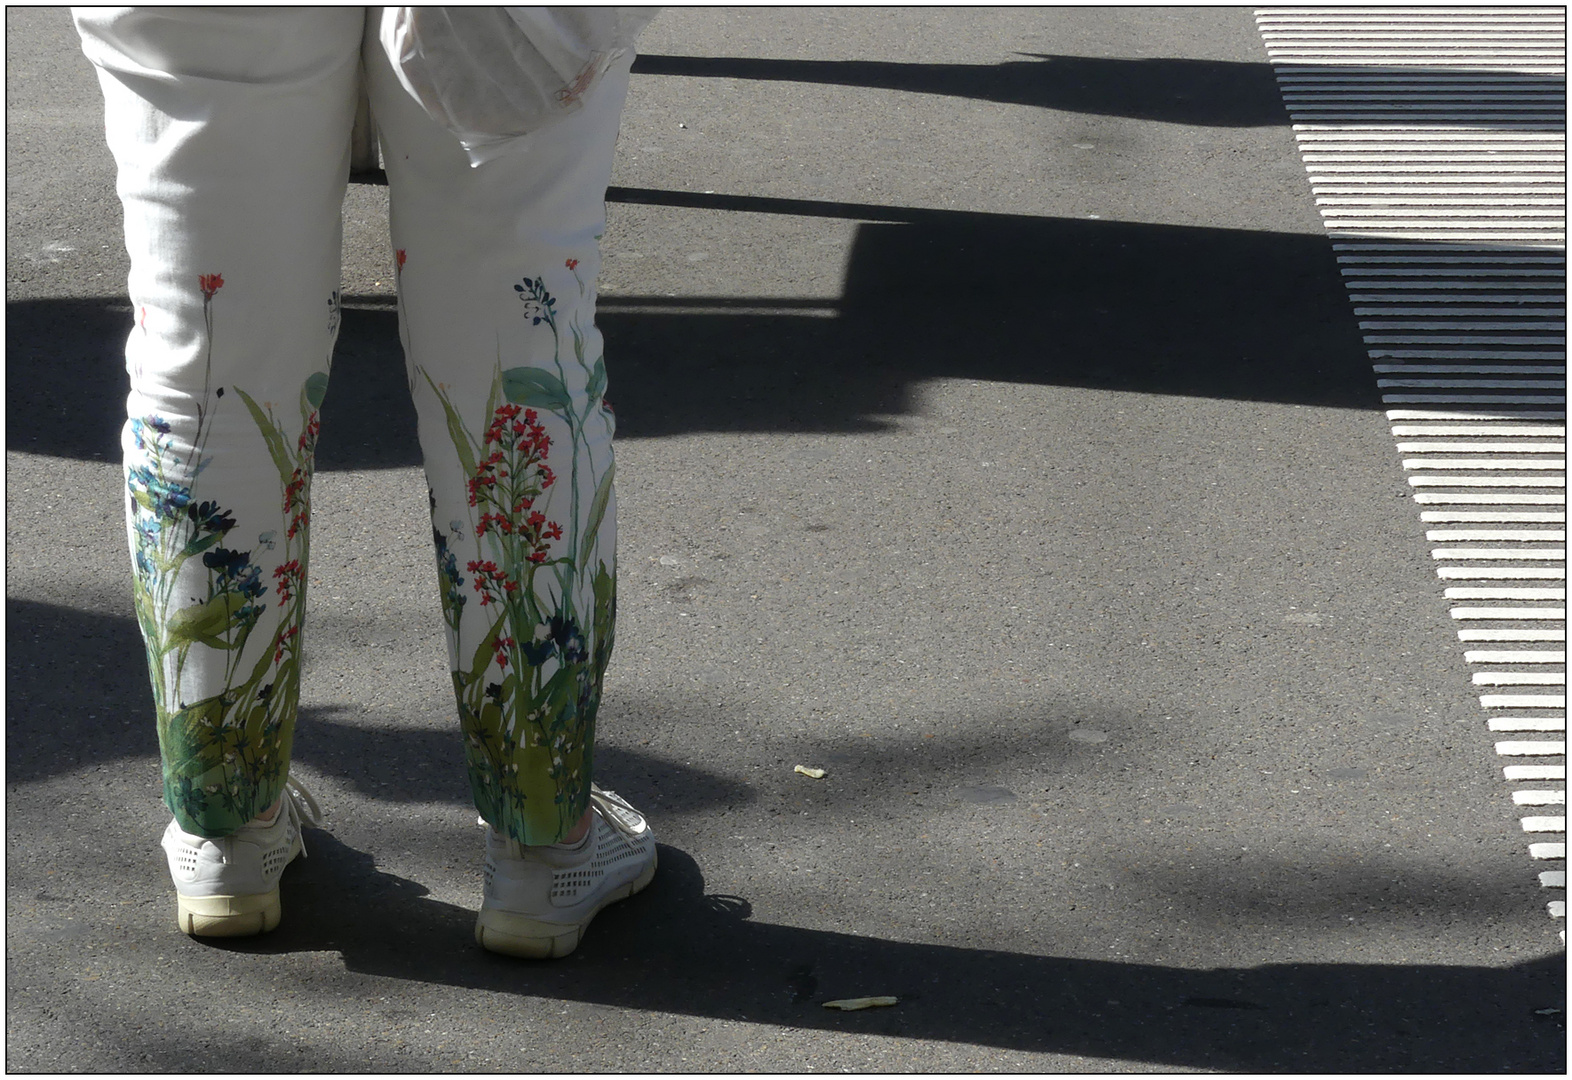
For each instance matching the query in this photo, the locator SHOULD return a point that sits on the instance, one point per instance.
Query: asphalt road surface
(996, 435)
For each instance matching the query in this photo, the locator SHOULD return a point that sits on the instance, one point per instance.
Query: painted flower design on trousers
(225, 754)
(531, 651)
(528, 586)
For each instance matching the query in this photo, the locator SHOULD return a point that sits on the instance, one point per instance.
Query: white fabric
(230, 128)
(493, 74)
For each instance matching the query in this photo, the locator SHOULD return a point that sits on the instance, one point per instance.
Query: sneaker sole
(228, 916)
(534, 939)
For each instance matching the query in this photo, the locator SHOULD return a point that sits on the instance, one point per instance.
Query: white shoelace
(302, 807)
(616, 811)
(611, 807)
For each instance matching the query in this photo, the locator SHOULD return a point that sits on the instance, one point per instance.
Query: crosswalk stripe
(1515, 656)
(1475, 572)
(1516, 634)
(1435, 144)
(1520, 678)
(1528, 723)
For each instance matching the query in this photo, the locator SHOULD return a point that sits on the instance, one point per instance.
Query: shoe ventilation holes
(573, 882)
(273, 861)
(622, 851)
(186, 862)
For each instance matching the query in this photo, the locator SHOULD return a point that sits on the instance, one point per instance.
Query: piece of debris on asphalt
(806, 770)
(852, 1004)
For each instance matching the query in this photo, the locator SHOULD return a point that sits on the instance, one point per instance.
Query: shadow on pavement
(428, 766)
(675, 949)
(76, 690)
(1216, 93)
(1172, 90)
(66, 373)
(77, 697)
(1150, 309)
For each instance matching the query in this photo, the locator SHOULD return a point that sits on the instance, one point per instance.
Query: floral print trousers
(230, 128)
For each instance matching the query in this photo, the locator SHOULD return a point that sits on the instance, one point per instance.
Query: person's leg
(230, 129)
(496, 268)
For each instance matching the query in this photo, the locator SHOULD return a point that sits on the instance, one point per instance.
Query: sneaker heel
(519, 935)
(229, 916)
(536, 901)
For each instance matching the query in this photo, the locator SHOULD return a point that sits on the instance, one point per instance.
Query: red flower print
(308, 437)
(504, 486)
(295, 501)
(278, 657)
(572, 264)
(285, 579)
(210, 283)
(399, 256)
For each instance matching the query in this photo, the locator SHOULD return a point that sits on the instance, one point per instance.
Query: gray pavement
(995, 434)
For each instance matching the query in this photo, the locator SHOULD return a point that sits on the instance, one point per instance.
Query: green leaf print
(313, 392)
(198, 544)
(536, 389)
(206, 623)
(488, 645)
(604, 585)
(225, 755)
(561, 694)
(494, 395)
(578, 341)
(271, 435)
(491, 717)
(530, 646)
(597, 513)
(189, 727)
(456, 430)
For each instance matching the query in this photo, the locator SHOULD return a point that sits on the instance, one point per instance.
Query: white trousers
(230, 128)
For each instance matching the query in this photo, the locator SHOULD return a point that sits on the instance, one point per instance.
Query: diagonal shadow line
(768, 204)
(427, 765)
(1176, 90)
(1217, 93)
(677, 950)
(674, 949)
(924, 295)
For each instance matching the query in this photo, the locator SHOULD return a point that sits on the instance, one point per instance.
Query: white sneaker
(228, 887)
(538, 900)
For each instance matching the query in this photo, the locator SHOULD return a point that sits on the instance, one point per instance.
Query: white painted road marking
(1435, 535)
(1501, 573)
(1535, 772)
(1528, 723)
(1435, 143)
(1517, 634)
(1520, 678)
(1505, 594)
